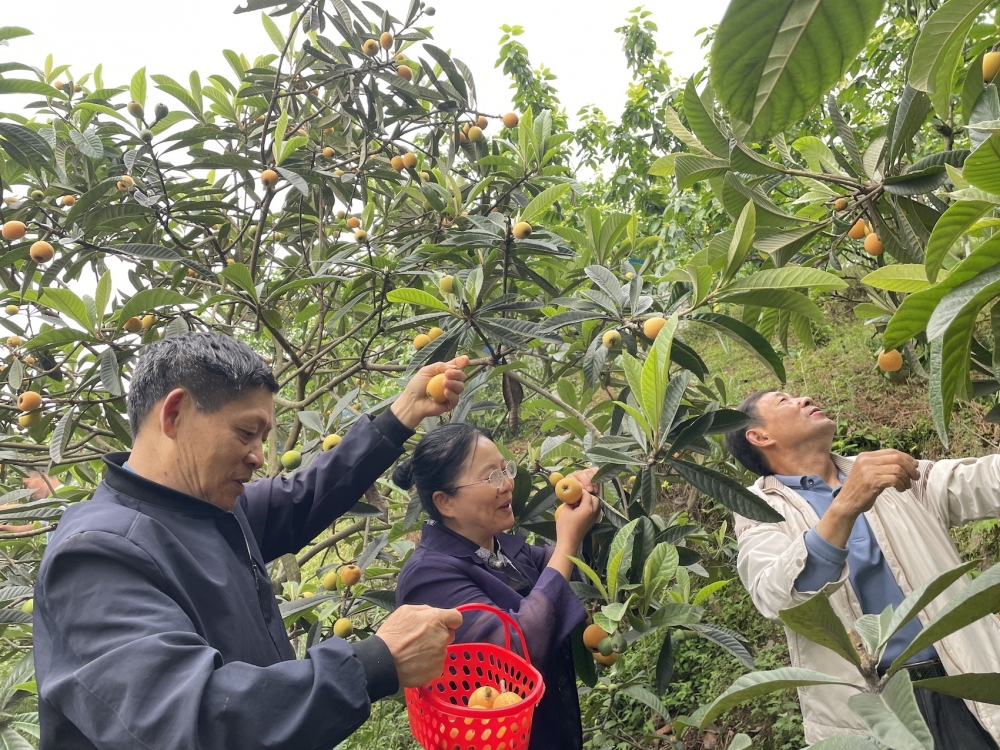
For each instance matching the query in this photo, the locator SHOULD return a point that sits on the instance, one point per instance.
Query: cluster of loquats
(603, 646)
(423, 339)
(488, 697)
(40, 251)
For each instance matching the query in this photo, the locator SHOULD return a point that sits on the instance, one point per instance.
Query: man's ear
(758, 438)
(170, 409)
(443, 502)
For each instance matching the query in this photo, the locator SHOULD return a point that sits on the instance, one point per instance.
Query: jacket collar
(773, 484)
(438, 537)
(144, 490)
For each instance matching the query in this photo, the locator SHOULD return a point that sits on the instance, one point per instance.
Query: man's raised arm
(286, 513)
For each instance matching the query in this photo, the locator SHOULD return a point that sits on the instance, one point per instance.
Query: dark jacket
(445, 571)
(156, 626)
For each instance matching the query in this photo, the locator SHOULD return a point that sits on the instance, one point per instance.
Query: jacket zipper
(253, 563)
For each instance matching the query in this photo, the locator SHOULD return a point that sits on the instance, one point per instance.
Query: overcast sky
(576, 40)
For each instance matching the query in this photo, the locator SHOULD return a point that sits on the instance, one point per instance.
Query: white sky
(576, 40)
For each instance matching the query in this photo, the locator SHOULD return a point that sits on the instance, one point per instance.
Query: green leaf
(790, 277)
(21, 86)
(137, 88)
(906, 120)
(819, 157)
(725, 638)
(543, 200)
(589, 572)
(665, 662)
(661, 564)
(921, 597)
(24, 145)
(11, 740)
(782, 246)
(915, 311)
(977, 600)
(772, 61)
(102, 295)
(416, 297)
(964, 302)
(109, 373)
(671, 402)
(725, 490)
(692, 169)
(983, 688)
(917, 182)
(954, 222)
(782, 299)
(277, 38)
(151, 299)
(982, 168)
(708, 590)
(13, 32)
(939, 47)
(89, 142)
(662, 167)
(815, 620)
(701, 118)
(754, 685)
(655, 372)
(745, 160)
(982, 118)
(239, 274)
(742, 240)
(633, 374)
(69, 305)
(620, 549)
(747, 337)
(643, 695)
(140, 250)
(673, 122)
(893, 716)
(898, 277)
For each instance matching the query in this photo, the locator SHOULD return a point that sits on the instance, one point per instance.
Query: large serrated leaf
(772, 61)
(540, 203)
(756, 684)
(815, 620)
(939, 47)
(747, 337)
(893, 716)
(726, 491)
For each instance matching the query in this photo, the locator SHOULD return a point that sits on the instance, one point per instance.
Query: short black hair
(215, 369)
(741, 448)
(437, 462)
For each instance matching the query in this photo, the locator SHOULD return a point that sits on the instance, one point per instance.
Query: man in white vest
(870, 529)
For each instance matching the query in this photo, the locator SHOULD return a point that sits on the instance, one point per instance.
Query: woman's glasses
(496, 477)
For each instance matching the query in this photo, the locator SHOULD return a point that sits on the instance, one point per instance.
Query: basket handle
(507, 620)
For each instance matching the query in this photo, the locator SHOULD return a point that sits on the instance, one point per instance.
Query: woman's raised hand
(574, 521)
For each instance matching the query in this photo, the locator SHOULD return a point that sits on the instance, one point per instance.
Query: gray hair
(214, 369)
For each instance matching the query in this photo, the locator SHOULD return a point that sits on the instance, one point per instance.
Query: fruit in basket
(483, 697)
(507, 699)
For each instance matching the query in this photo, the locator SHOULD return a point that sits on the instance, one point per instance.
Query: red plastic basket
(440, 718)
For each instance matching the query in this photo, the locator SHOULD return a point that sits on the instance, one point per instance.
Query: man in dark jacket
(155, 623)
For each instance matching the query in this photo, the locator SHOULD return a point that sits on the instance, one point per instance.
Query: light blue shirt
(873, 582)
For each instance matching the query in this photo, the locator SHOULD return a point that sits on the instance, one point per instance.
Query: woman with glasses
(466, 486)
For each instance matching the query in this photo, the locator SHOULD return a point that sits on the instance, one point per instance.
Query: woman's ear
(443, 502)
